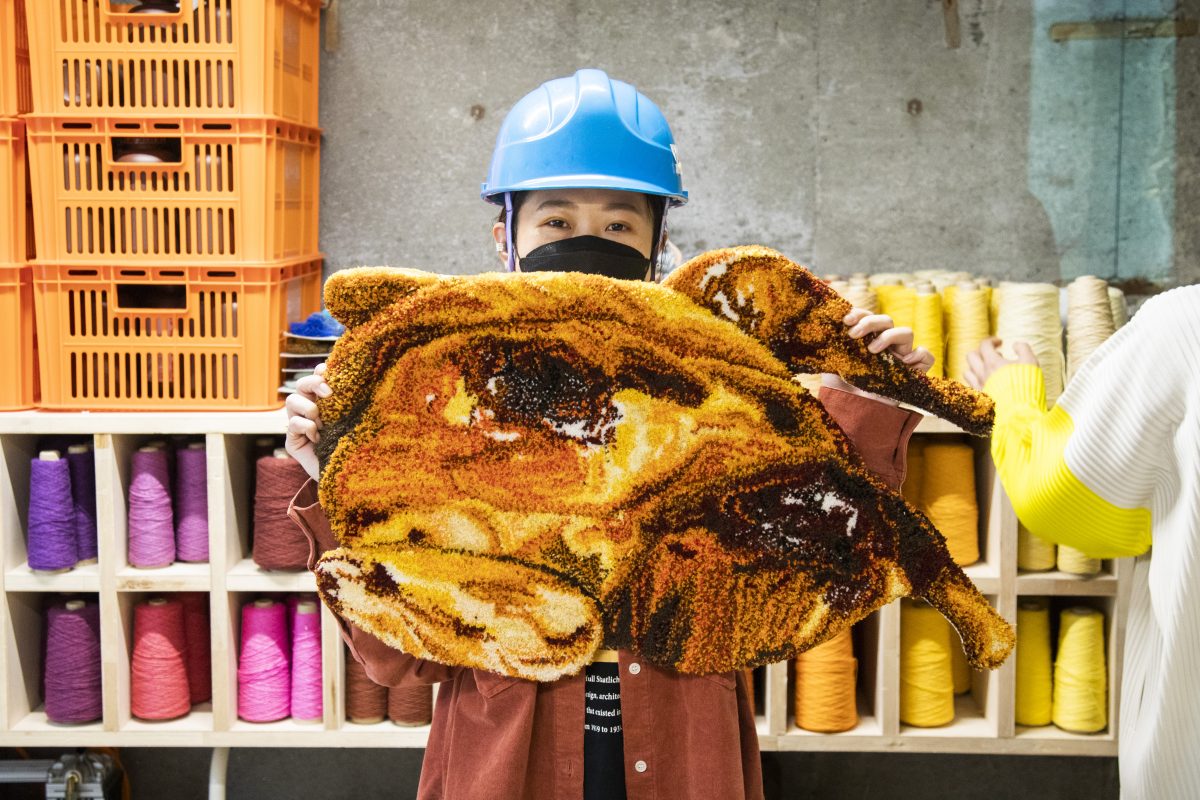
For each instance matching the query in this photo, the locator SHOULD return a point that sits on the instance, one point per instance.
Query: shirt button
(634, 669)
(640, 766)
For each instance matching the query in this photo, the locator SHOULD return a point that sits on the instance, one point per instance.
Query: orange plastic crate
(225, 191)
(16, 242)
(18, 356)
(212, 57)
(16, 93)
(168, 338)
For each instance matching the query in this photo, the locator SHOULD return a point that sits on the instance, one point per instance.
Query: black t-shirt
(603, 742)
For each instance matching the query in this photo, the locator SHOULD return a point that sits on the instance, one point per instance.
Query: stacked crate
(175, 163)
(18, 356)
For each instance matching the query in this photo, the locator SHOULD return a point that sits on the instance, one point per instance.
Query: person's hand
(984, 362)
(897, 341)
(304, 421)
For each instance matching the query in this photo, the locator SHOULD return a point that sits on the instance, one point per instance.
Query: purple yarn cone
(191, 505)
(151, 520)
(83, 492)
(52, 544)
(72, 670)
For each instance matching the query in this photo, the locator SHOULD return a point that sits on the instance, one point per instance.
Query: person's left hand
(984, 362)
(897, 341)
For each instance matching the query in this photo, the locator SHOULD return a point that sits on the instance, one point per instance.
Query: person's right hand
(304, 421)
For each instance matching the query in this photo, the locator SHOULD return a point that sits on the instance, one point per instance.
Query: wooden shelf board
(1064, 583)
(969, 722)
(164, 422)
(179, 577)
(246, 576)
(985, 576)
(80, 579)
(288, 726)
(932, 424)
(198, 720)
(383, 734)
(867, 726)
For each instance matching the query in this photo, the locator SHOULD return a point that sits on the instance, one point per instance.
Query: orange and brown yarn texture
(522, 468)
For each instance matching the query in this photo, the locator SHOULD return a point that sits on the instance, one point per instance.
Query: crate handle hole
(216, 126)
(82, 273)
(141, 150)
(77, 126)
(212, 273)
(171, 273)
(154, 296)
(133, 273)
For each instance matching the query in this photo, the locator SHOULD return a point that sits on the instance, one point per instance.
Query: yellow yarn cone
(1080, 701)
(1034, 553)
(948, 497)
(826, 677)
(927, 328)
(1032, 706)
(960, 670)
(914, 474)
(926, 674)
(1077, 562)
(967, 325)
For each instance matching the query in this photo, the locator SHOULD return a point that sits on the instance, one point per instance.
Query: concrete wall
(847, 135)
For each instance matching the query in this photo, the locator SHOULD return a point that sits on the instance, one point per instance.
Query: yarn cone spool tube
(82, 464)
(1028, 312)
(307, 702)
(278, 542)
(826, 677)
(926, 673)
(72, 666)
(53, 545)
(410, 706)
(264, 669)
(927, 327)
(1080, 702)
(197, 632)
(191, 503)
(948, 497)
(366, 701)
(1034, 677)
(158, 682)
(967, 325)
(151, 517)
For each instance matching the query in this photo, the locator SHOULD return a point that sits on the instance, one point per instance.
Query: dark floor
(337, 774)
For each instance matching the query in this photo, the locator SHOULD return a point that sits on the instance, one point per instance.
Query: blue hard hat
(585, 132)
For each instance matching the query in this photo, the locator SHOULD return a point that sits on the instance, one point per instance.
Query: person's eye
(619, 227)
(556, 223)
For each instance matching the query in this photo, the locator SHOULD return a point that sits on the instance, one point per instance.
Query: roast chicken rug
(522, 468)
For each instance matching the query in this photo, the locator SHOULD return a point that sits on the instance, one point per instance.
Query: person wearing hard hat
(585, 171)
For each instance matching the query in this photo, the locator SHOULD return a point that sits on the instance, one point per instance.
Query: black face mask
(592, 254)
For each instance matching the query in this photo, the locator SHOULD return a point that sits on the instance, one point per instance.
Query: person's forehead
(587, 200)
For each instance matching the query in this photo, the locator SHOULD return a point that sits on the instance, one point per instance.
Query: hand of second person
(986, 361)
(304, 420)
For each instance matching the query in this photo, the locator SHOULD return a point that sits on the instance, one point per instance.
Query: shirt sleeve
(1085, 473)
(879, 431)
(384, 665)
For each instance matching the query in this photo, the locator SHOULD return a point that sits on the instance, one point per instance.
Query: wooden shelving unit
(983, 723)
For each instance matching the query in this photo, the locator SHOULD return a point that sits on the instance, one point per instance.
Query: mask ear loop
(508, 237)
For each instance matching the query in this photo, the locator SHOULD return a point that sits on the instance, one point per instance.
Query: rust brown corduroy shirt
(687, 737)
